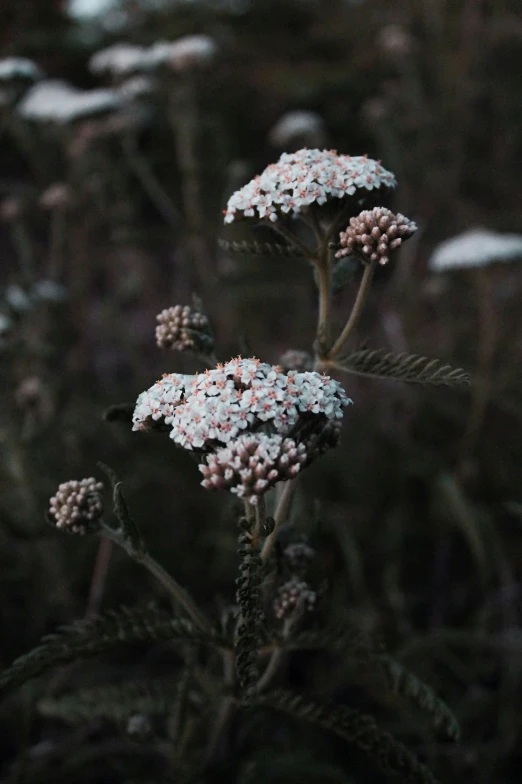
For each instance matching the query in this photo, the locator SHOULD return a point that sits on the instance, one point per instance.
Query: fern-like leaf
(113, 702)
(89, 637)
(260, 248)
(407, 685)
(402, 367)
(388, 753)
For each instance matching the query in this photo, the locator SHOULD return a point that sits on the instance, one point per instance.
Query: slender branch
(308, 252)
(99, 576)
(280, 516)
(179, 594)
(357, 309)
(271, 669)
(151, 185)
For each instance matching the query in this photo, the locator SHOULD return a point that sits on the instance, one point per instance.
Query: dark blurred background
(420, 542)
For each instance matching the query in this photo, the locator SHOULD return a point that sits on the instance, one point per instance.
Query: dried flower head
(19, 68)
(294, 359)
(182, 328)
(374, 234)
(300, 126)
(77, 506)
(476, 248)
(251, 464)
(120, 59)
(303, 178)
(294, 596)
(188, 52)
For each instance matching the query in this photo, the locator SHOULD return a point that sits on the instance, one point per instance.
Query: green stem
(179, 594)
(308, 252)
(357, 309)
(280, 516)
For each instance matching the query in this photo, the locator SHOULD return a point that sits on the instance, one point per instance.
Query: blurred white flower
(6, 324)
(187, 52)
(476, 248)
(303, 178)
(306, 127)
(12, 68)
(120, 59)
(56, 101)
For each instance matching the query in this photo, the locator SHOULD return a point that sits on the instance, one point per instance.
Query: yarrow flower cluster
(59, 102)
(77, 505)
(373, 234)
(295, 359)
(252, 464)
(184, 329)
(291, 596)
(297, 556)
(476, 248)
(214, 409)
(186, 53)
(303, 178)
(15, 68)
(306, 126)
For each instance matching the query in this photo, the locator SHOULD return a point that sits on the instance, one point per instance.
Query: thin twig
(279, 518)
(99, 576)
(357, 309)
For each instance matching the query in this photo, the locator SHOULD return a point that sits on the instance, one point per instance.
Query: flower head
(55, 101)
(303, 126)
(77, 506)
(295, 359)
(251, 464)
(476, 248)
(294, 596)
(374, 234)
(303, 178)
(120, 59)
(155, 407)
(19, 68)
(184, 329)
(184, 54)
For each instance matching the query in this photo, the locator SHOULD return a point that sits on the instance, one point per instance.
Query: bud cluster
(293, 596)
(252, 464)
(77, 505)
(182, 328)
(373, 234)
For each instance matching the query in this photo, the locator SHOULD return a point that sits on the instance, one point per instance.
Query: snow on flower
(303, 178)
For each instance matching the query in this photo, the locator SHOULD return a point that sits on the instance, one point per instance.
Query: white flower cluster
(236, 397)
(476, 248)
(156, 405)
(12, 68)
(252, 464)
(294, 596)
(123, 59)
(303, 178)
(58, 102)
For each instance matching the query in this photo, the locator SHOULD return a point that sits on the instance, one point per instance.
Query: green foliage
(254, 248)
(420, 694)
(113, 702)
(402, 367)
(388, 753)
(128, 525)
(89, 637)
(249, 633)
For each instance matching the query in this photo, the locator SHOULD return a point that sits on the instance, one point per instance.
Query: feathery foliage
(420, 694)
(113, 702)
(89, 637)
(249, 633)
(388, 753)
(254, 248)
(402, 367)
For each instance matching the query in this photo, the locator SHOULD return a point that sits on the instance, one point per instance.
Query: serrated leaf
(388, 753)
(254, 248)
(407, 685)
(96, 635)
(402, 367)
